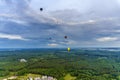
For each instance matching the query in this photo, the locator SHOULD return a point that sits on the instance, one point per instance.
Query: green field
(69, 77)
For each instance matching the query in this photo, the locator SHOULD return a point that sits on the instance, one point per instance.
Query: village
(42, 78)
(31, 78)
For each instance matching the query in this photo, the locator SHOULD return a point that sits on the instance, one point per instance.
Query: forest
(82, 64)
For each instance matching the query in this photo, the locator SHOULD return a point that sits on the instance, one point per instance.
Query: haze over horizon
(88, 23)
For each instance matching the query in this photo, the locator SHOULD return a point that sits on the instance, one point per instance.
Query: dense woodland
(80, 63)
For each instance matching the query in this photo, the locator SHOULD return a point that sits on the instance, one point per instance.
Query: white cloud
(7, 15)
(18, 21)
(13, 18)
(53, 44)
(107, 39)
(116, 31)
(81, 22)
(70, 42)
(89, 22)
(11, 37)
(92, 21)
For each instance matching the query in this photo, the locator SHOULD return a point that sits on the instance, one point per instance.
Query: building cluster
(11, 78)
(42, 78)
(33, 78)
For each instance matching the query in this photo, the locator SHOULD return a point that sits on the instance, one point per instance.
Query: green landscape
(78, 64)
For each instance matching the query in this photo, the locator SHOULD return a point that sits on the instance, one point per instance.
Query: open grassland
(69, 77)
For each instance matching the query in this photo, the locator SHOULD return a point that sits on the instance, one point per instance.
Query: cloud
(21, 22)
(68, 42)
(8, 15)
(53, 45)
(112, 31)
(107, 39)
(13, 18)
(82, 25)
(12, 37)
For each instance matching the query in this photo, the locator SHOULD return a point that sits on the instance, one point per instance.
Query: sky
(86, 23)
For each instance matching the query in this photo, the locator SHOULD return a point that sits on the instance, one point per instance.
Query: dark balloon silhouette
(65, 37)
(41, 9)
(50, 38)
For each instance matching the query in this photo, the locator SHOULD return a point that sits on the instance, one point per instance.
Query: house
(23, 60)
(44, 77)
(30, 78)
(50, 78)
(37, 78)
(12, 77)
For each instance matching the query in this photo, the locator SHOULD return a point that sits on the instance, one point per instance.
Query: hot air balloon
(41, 9)
(65, 37)
(50, 38)
(68, 49)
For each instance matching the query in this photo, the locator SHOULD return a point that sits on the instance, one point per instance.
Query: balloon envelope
(68, 49)
(41, 9)
(65, 37)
